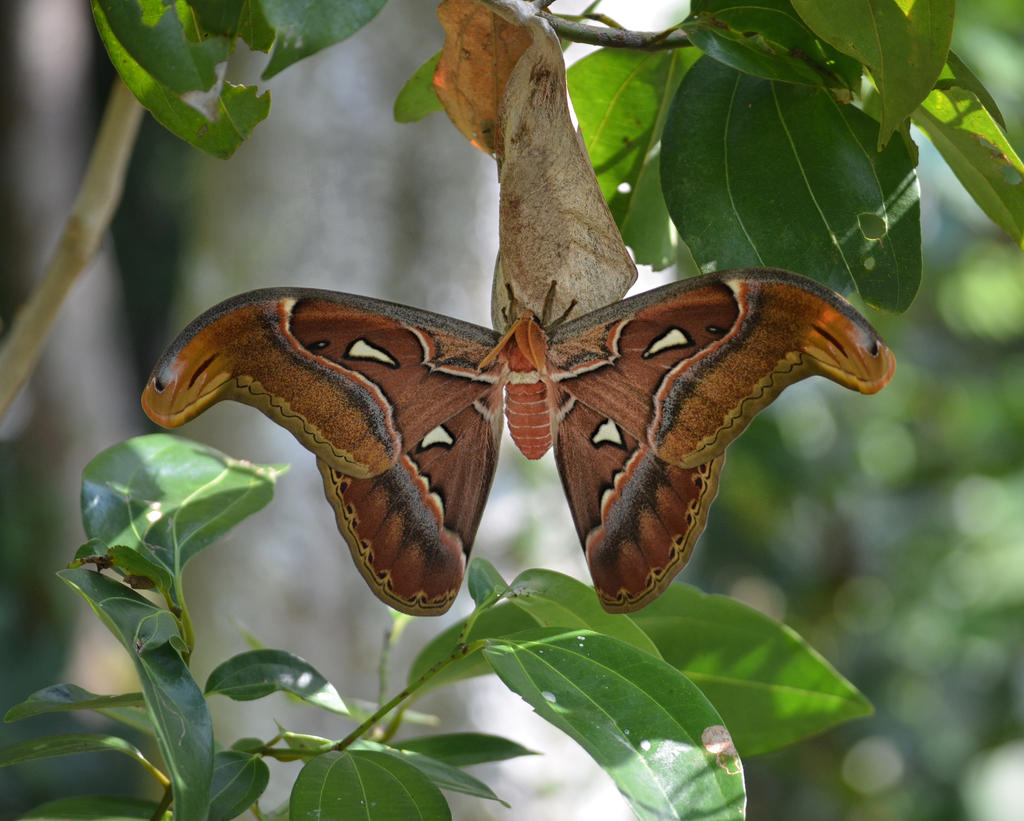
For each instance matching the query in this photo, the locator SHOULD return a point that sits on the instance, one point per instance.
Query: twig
(616, 37)
(461, 651)
(521, 12)
(90, 216)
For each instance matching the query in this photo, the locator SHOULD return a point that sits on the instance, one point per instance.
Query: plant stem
(180, 611)
(165, 802)
(616, 37)
(90, 216)
(385, 659)
(154, 771)
(461, 651)
(519, 12)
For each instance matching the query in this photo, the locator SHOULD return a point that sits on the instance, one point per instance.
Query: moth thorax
(529, 420)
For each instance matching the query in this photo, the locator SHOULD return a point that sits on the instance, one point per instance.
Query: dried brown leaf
(479, 52)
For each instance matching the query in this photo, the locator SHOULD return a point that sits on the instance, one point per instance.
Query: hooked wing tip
(850, 353)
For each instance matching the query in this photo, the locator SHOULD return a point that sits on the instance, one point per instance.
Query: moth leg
(549, 301)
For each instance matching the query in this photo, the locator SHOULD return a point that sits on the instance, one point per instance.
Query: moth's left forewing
(356, 380)
(391, 399)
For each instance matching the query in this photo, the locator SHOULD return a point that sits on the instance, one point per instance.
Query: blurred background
(889, 531)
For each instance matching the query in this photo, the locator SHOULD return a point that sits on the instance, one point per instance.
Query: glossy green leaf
(768, 39)
(969, 138)
(249, 745)
(305, 28)
(344, 786)
(957, 74)
(770, 687)
(94, 808)
(417, 98)
(759, 173)
(151, 32)
(175, 704)
(230, 112)
(537, 598)
(556, 600)
(464, 749)
(904, 43)
(484, 582)
(621, 99)
(135, 717)
(68, 744)
(235, 18)
(305, 741)
(138, 569)
(443, 775)
(639, 718)
(168, 498)
(238, 780)
(60, 697)
(257, 673)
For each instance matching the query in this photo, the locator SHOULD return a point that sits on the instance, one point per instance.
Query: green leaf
(538, 598)
(621, 99)
(956, 73)
(417, 98)
(173, 700)
(556, 600)
(68, 744)
(168, 498)
(759, 173)
(139, 571)
(364, 784)
(136, 567)
(135, 717)
(257, 673)
(94, 808)
(771, 688)
(903, 43)
(305, 28)
(443, 775)
(969, 138)
(238, 780)
(230, 112)
(306, 742)
(152, 34)
(640, 719)
(235, 18)
(60, 697)
(768, 39)
(485, 583)
(464, 749)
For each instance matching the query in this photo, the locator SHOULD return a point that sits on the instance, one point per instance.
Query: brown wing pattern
(637, 516)
(404, 425)
(684, 368)
(654, 388)
(356, 380)
(410, 529)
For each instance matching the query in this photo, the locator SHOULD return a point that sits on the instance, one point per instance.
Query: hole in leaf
(872, 226)
(1011, 175)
